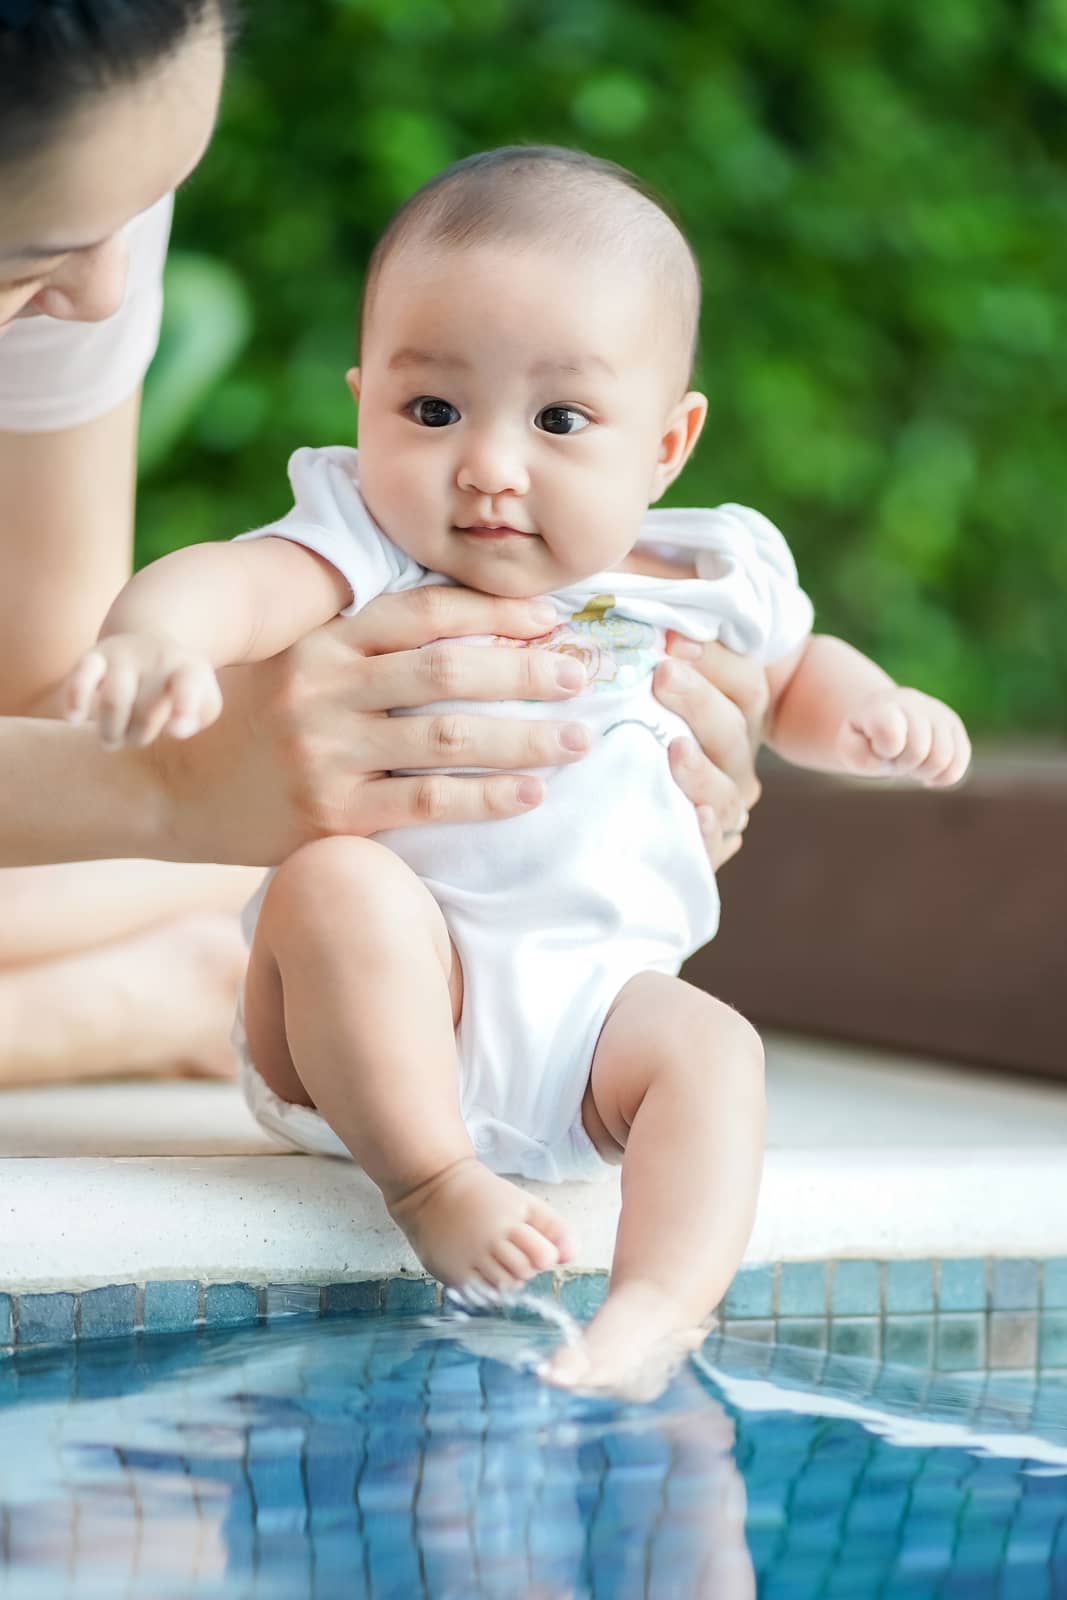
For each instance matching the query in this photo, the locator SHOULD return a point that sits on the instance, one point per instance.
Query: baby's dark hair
(57, 54)
(539, 192)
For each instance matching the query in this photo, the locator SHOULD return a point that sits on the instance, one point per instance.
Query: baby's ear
(684, 423)
(352, 378)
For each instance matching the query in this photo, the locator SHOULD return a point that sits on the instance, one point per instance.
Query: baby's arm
(152, 669)
(834, 710)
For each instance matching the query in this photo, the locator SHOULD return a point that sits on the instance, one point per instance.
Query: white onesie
(552, 912)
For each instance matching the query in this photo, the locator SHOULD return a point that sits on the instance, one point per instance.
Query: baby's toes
(513, 1260)
(552, 1225)
(566, 1367)
(539, 1251)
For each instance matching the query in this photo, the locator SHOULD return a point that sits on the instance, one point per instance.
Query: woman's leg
(351, 1002)
(119, 966)
(676, 1088)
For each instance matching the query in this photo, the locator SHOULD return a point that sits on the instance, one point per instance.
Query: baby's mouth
(493, 530)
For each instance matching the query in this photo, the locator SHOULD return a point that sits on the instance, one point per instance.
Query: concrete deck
(869, 1157)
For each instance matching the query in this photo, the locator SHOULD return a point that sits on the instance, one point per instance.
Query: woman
(109, 964)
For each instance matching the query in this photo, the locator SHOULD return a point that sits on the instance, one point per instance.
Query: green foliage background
(877, 194)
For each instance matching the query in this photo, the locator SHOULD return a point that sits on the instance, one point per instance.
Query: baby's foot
(632, 1348)
(470, 1227)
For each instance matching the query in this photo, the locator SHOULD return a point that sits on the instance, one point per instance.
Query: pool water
(420, 1457)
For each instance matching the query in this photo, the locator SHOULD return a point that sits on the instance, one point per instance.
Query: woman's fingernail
(569, 675)
(543, 611)
(691, 753)
(574, 736)
(688, 649)
(528, 791)
(706, 818)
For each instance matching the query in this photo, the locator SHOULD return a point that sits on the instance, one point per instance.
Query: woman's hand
(305, 746)
(723, 697)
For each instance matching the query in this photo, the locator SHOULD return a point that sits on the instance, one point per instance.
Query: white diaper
(499, 1146)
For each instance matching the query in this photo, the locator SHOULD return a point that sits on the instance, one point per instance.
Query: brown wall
(932, 921)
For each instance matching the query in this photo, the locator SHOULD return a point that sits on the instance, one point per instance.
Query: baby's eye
(561, 419)
(432, 412)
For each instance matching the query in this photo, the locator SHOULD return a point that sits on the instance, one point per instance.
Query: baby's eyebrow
(573, 368)
(409, 357)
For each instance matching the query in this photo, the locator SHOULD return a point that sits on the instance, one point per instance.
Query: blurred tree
(877, 194)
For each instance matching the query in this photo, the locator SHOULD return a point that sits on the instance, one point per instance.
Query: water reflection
(364, 1459)
(399, 1459)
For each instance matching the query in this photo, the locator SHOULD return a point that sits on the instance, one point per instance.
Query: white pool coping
(869, 1157)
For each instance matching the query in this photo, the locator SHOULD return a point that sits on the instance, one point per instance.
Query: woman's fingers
(446, 671)
(433, 797)
(719, 725)
(720, 810)
(394, 744)
(399, 622)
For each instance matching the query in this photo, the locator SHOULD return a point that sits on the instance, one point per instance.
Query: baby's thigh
(662, 1029)
(350, 903)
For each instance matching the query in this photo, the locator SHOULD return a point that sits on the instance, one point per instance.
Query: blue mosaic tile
(412, 1294)
(1052, 1347)
(1014, 1286)
(751, 1294)
(856, 1289)
(1054, 1275)
(105, 1313)
(960, 1342)
(171, 1307)
(1013, 1339)
(342, 1299)
(962, 1285)
(289, 1300)
(806, 1333)
(909, 1286)
(856, 1336)
(45, 1318)
(229, 1304)
(5, 1319)
(802, 1289)
(908, 1341)
(756, 1331)
(583, 1294)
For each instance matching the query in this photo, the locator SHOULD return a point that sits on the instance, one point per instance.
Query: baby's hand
(901, 732)
(136, 686)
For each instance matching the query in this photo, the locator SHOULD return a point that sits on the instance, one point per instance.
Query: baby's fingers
(82, 685)
(115, 699)
(950, 755)
(888, 731)
(195, 700)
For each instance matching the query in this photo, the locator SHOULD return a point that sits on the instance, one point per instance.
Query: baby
(448, 1004)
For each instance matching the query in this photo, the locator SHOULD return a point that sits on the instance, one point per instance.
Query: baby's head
(528, 328)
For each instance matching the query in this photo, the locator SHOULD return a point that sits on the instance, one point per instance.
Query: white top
(745, 594)
(57, 374)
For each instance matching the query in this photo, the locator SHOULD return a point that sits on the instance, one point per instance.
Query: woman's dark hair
(56, 54)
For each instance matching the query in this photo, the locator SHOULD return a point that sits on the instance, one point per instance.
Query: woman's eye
(433, 413)
(561, 419)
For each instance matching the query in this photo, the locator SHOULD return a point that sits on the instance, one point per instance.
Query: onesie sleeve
(329, 516)
(785, 611)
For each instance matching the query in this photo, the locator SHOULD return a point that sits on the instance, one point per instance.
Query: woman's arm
(66, 539)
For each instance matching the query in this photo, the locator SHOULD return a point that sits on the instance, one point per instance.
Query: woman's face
(62, 211)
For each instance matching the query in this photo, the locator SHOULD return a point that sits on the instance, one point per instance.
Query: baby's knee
(325, 882)
(716, 1043)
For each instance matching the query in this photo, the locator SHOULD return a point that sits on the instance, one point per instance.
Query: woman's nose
(492, 464)
(88, 286)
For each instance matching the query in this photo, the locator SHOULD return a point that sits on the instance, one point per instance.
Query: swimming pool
(404, 1457)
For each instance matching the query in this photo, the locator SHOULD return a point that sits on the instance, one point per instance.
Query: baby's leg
(351, 1001)
(676, 1084)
